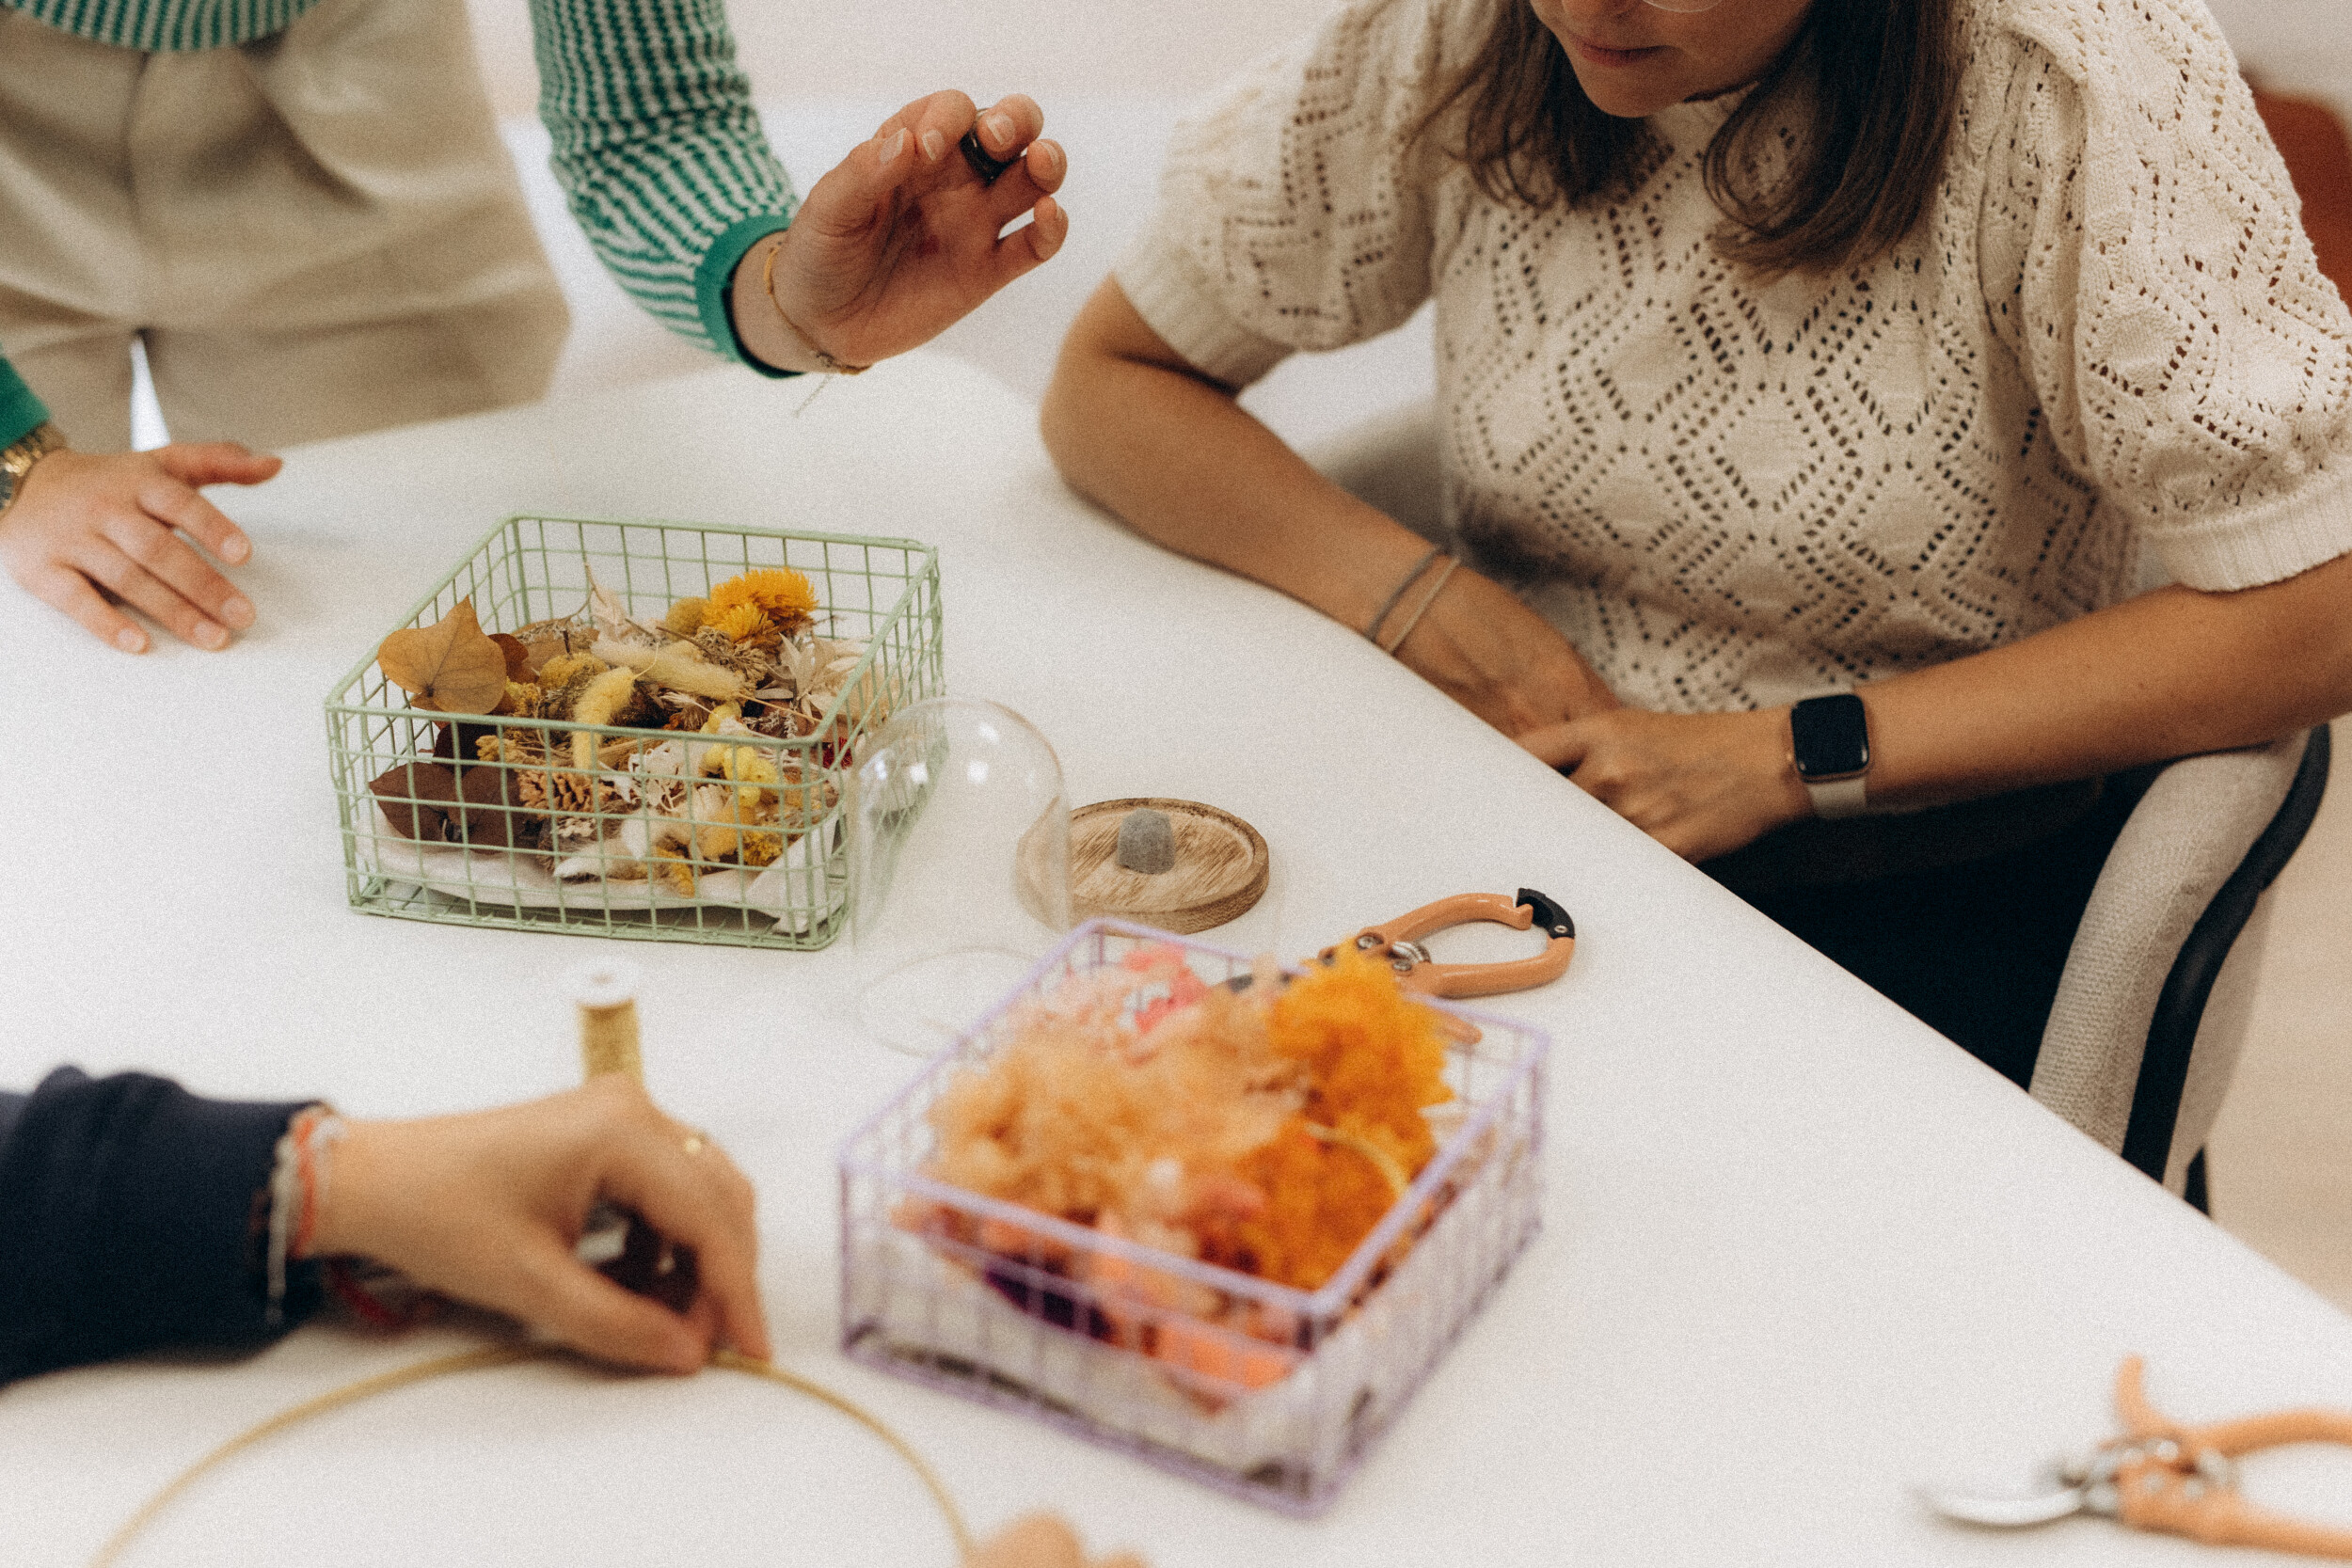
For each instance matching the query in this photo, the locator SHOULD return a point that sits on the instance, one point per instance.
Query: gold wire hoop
(507, 1355)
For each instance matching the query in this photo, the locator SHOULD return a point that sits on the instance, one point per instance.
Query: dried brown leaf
(518, 657)
(450, 666)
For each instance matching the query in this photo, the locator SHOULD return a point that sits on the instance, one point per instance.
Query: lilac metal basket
(1271, 1393)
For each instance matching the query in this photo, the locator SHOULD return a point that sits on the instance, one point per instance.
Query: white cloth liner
(514, 877)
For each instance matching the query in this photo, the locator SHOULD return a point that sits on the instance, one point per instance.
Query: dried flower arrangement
(714, 676)
(1266, 1129)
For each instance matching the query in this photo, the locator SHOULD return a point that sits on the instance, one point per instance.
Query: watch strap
(1847, 797)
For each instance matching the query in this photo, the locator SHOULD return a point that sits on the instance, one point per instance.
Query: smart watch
(1829, 742)
(18, 457)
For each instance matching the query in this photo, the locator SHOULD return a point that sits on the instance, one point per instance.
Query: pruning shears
(1400, 943)
(2163, 1475)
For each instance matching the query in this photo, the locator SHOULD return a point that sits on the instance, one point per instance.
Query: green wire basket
(495, 866)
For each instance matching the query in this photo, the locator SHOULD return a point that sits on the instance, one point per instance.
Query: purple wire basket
(1270, 1393)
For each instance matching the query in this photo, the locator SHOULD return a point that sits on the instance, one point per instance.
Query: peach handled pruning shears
(1399, 941)
(2163, 1475)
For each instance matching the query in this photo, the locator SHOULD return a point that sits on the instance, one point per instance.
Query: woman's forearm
(2169, 674)
(1136, 429)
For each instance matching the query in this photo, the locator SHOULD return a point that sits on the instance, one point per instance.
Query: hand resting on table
(88, 533)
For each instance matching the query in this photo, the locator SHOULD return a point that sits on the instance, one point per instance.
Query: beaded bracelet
(298, 1189)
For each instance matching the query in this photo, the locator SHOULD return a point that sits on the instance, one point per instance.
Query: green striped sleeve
(20, 412)
(171, 25)
(658, 152)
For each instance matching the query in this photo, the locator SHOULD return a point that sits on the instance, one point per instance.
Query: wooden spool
(1219, 874)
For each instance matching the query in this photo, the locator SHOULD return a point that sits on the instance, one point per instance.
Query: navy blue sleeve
(131, 1217)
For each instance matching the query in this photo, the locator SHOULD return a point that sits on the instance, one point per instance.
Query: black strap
(2181, 1005)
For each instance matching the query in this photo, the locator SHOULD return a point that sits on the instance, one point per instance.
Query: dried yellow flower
(685, 617)
(521, 700)
(783, 594)
(742, 623)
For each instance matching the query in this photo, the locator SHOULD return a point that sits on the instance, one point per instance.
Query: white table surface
(1800, 1253)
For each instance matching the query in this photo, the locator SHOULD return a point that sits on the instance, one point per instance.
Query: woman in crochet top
(1785, 348)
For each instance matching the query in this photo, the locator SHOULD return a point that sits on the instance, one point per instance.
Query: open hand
(487, 1208)
(899, 241)
(1701, 783)
(90, 533)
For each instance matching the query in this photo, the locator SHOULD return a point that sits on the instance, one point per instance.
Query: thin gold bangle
(1446, 574)
(768, 282)
(1372, 631)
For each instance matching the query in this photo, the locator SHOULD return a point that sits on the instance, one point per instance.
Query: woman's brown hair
(1874, 81)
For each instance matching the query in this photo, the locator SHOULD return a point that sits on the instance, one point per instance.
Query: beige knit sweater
(2107, 325)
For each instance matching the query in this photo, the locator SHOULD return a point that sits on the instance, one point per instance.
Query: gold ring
(693, 1143)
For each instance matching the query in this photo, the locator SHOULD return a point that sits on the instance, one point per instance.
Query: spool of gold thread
(607, 994)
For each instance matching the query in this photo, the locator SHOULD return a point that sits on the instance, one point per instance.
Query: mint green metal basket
(881, 591)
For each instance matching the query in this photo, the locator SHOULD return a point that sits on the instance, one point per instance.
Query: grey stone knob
(1147, 841)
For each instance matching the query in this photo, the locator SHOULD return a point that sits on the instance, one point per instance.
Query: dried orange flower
(780, 592)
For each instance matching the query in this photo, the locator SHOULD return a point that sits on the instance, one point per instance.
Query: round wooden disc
(1221, 870)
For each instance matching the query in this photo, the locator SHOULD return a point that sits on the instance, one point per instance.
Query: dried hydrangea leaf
(448, 666)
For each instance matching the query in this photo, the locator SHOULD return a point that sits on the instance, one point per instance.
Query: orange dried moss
(1374, 1058)
(1320, 1202)
(781, 593)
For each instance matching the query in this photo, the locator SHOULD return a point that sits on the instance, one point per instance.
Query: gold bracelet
(768, 282)
(18, 456)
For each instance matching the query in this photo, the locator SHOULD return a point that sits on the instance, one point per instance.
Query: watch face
(1831, 736)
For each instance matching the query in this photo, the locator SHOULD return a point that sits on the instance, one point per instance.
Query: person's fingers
(1048, 230)
(1018, 189)
(1045, 165)
(174, 505)
(1122, 1559)
(200, 463)
(703, 1202)
(1030, 245)
(562, 1296)
(203, 521)
(943, 120)
(1032, 1540)
(68, 590)
(907, 116)
(1008, 125)
(119, 572)
(1560, 746)
(148, 541)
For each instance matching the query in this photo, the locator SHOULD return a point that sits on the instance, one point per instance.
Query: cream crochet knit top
(2107, 330)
